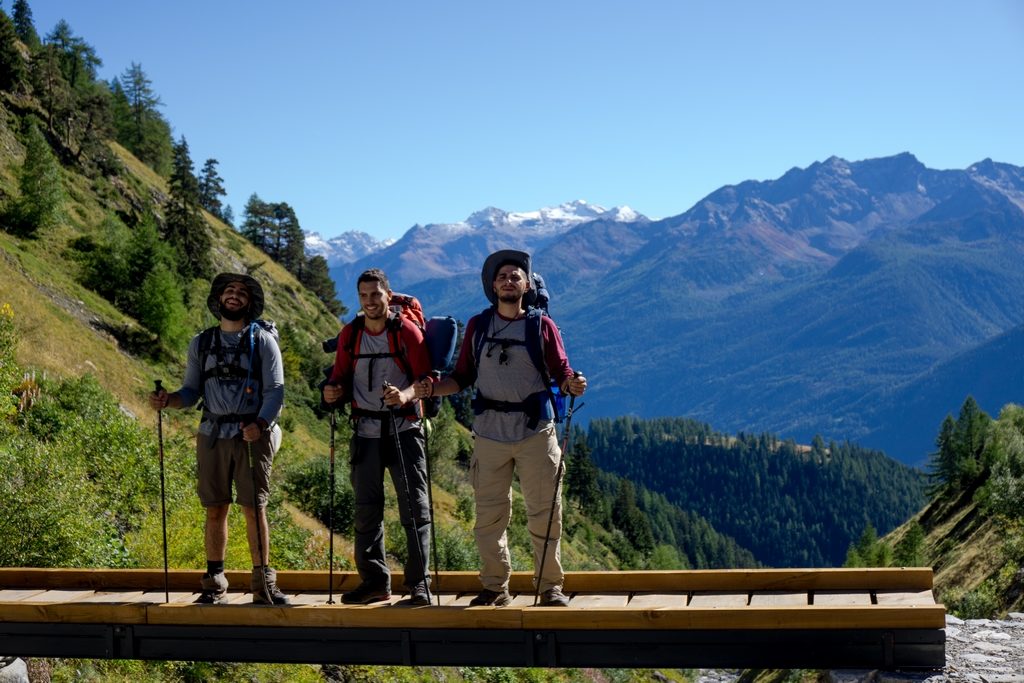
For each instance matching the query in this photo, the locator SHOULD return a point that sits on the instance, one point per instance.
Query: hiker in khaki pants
(512, 353)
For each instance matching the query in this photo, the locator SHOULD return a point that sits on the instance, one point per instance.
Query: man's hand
(332, 392)
(395, 397)
(576, 385)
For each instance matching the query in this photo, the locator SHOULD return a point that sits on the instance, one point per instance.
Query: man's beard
(233, 316)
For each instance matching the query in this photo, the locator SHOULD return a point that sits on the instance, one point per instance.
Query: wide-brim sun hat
(220, 283)
(496, 261)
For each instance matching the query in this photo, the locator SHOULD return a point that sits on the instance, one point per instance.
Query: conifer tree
(581, 477)
(211, 189)
(145, 133)
(23, 24)
(42, 192)
(186, 229)
(289, 243)
(78, 59)
(943, 462)
(257, 223)
(317, 278)
(969, 439)
(13, 70)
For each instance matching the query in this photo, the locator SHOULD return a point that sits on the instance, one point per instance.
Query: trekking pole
(558, 485)
(259, 526)
(433, 528)
(408, 492)
(163, 495)
(330, 520)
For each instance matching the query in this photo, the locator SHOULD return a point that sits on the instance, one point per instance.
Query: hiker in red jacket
(511, 353)
(379, 355)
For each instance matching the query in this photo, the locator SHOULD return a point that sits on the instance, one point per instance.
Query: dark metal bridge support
(618, 648)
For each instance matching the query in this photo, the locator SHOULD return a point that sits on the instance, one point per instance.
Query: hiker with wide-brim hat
(235, 368)
(379, 356)
(510, 352)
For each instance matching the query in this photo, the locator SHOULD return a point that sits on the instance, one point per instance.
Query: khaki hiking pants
(535, 459)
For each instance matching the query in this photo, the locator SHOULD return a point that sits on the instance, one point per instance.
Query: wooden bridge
(779, 618)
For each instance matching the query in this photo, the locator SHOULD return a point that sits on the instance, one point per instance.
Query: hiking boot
(215, 589)
(554, 597)
(365, 594)
(264, 588)
(419, 595)
(489, 597)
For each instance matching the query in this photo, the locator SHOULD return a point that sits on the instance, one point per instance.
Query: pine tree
(145, 133)
(42, 191)
(13, 70)
(24, 25)
(186, 229)
(317, 278)
(211, 189)
(78, 59)
(969, 440)
(581, 477)
(288, 242)
(943, 463)
(257, 223)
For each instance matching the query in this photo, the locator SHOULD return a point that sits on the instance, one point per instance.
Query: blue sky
(375, 116)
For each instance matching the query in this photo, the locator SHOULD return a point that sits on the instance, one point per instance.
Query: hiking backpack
(439, 333)
(210, 343)
(537, 301)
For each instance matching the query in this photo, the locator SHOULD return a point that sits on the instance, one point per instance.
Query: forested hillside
(791, 506)
(108, 241)
(972, 528)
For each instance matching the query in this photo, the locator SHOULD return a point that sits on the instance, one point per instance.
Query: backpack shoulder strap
(394, 329)
(534, 342)
(483, 321)
(206, 341)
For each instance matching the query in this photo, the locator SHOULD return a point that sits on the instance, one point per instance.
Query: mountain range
(854, 300)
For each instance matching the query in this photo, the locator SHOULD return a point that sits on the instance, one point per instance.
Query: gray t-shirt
(366, 387)
(506, 373)
(260, 391)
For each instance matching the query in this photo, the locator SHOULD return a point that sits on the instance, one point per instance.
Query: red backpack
(439, 332)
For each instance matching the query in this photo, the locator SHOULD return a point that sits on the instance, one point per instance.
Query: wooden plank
(599, 600)
(73, 613)
(524, 599)
(174, 596)
(656, 600)
(15, 594)
(724, 599)
(128, 597)
(779, 599)
(903, 578)
(691, 618)
(58, 595)
(368, 616)
(751, 579)
(830, 598)
(909, 598)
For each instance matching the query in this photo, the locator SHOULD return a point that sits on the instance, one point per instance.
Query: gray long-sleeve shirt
(261, 391)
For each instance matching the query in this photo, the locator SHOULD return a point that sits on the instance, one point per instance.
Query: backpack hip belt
(535, 407)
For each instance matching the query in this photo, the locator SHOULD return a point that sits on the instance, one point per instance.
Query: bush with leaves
(53, 513)
(1005, 487)
(309, 487)
(9, 370)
